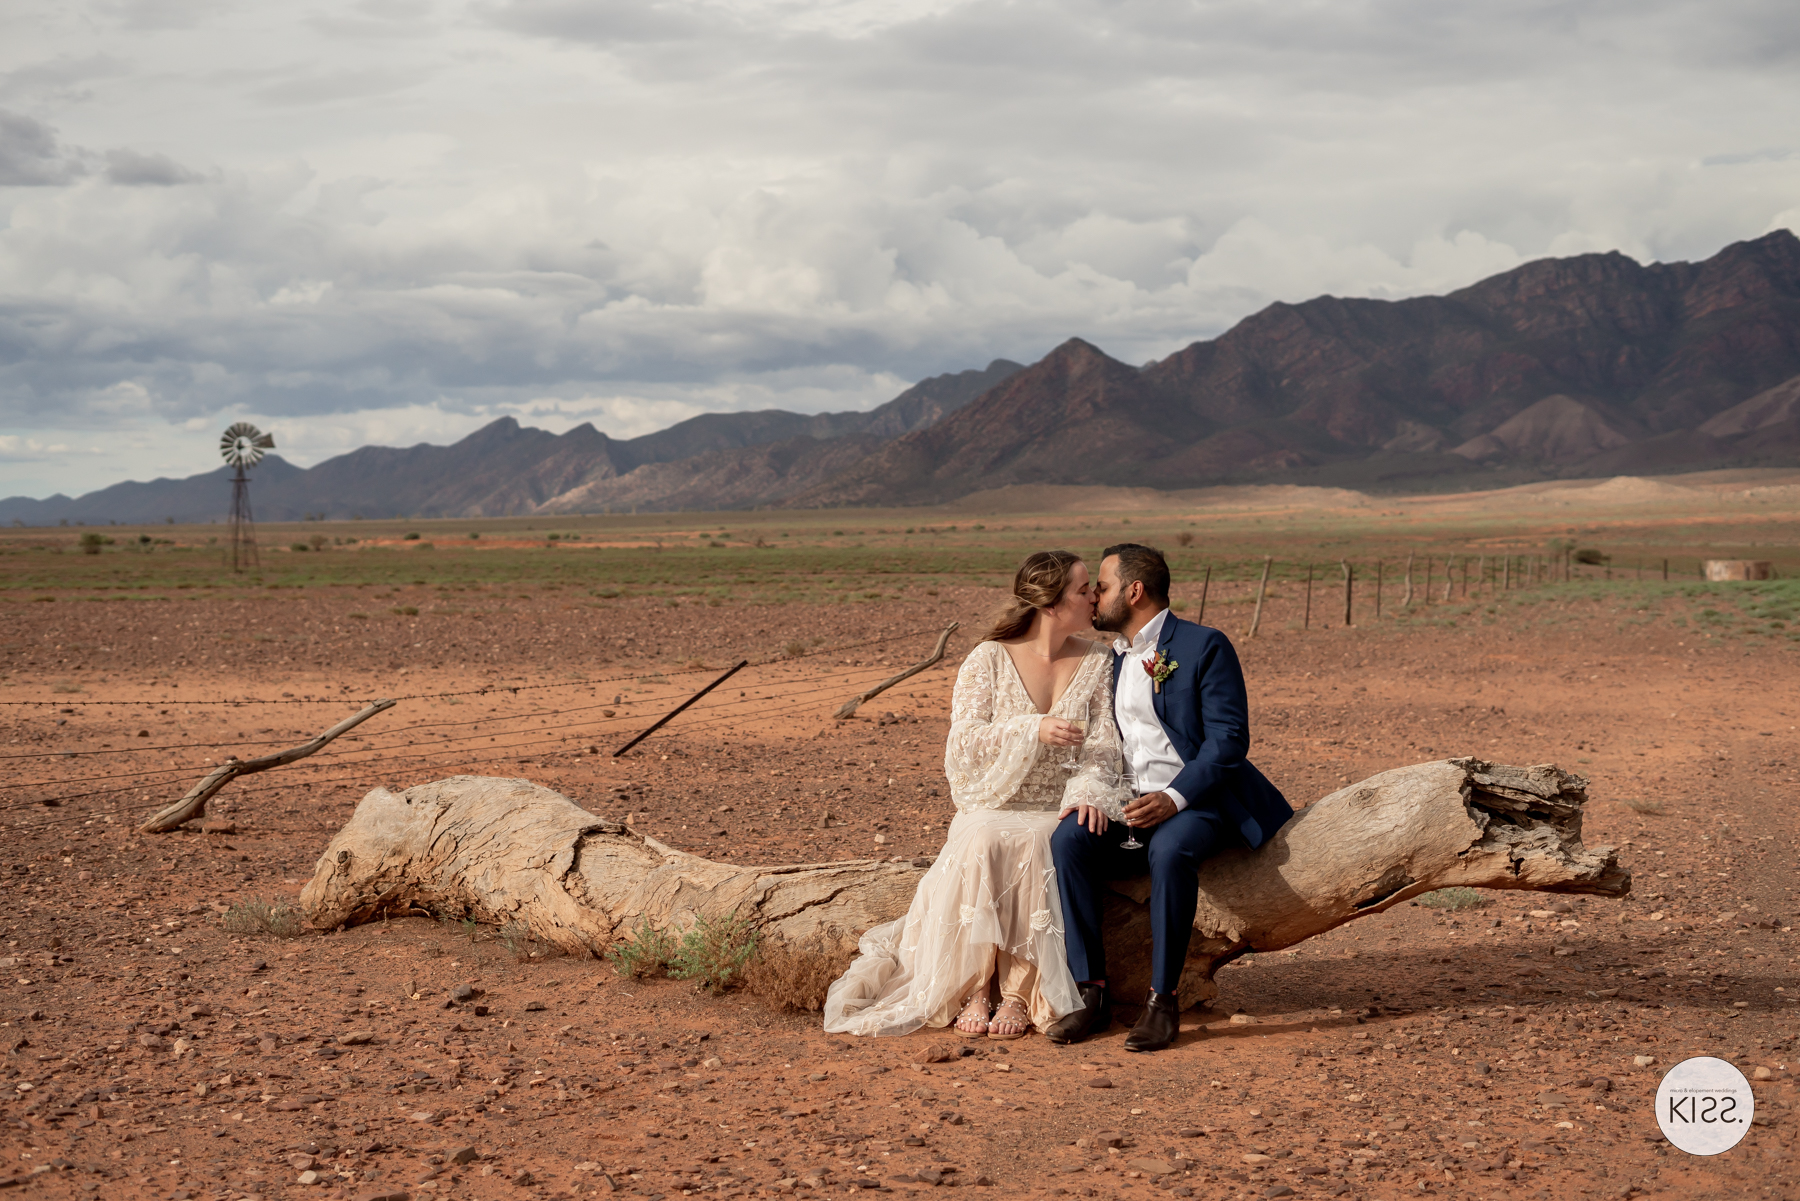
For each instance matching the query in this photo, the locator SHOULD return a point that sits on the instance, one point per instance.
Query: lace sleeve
(987, 756)
(1096, 780)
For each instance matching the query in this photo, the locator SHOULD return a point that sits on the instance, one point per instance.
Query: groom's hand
(1151, 809)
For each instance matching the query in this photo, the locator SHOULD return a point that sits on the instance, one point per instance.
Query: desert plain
(1506, 1045)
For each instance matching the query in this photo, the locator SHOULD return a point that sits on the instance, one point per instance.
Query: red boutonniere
(1159, 667)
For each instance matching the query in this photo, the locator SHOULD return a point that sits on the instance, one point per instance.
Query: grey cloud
(64, 79)
(163, 14)
(610, 21)
(31, 156)
(690, 204)
(128, 168)
(307, 87)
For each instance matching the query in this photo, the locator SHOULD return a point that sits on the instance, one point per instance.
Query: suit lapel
(1118, 662)
(1157, 698)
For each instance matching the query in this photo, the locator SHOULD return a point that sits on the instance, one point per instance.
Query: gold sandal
(978, 1008)
(1005, 1013)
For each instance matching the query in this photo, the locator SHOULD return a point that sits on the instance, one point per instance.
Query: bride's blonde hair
(1039, 584)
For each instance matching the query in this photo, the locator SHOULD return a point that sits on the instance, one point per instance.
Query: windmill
(242, 446)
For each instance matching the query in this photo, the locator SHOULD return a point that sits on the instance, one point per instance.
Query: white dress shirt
(1149, 755)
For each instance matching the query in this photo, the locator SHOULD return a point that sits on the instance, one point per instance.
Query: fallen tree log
(508, 851)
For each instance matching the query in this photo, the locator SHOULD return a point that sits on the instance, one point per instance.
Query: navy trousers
(1171, 857)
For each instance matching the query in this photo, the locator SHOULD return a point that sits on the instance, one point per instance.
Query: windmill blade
(264, 442)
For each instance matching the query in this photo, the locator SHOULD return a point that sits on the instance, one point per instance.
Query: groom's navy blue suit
(1205, 712)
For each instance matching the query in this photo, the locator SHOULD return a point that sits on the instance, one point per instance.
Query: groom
(1178, 693)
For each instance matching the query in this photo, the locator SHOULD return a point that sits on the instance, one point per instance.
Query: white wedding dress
(989, 902)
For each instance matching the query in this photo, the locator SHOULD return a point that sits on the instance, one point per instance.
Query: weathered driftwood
(848, 708)
(510, 851)
(193, 805)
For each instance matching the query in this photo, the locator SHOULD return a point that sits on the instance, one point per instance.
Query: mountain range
(1582, 366)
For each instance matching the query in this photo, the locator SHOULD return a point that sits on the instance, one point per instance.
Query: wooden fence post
(1205, 587)
(1306, 622)
(1349, 583)
(1406, 598)
(1261, 587)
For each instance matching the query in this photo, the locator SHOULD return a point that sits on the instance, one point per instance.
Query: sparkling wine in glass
(1069, 760)
(1131, 842)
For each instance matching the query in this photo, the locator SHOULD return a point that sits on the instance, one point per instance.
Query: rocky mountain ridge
(1594, 365)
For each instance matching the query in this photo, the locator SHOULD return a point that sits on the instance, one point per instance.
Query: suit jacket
(1205, 711)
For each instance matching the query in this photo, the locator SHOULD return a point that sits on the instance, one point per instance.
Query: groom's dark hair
(1144, 565)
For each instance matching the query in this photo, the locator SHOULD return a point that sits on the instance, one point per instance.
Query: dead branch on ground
(848, 708)
(193, 805)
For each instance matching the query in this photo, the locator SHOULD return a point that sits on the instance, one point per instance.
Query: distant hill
(1594, 365)
(502, 468)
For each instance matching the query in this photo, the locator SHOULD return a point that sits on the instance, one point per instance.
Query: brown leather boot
(1157, 1028)
(1094, 1016)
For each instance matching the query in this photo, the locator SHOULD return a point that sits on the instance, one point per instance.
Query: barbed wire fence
(1368, 590)
(463, 743)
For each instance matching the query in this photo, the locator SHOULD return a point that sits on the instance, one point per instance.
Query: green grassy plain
(841, 553)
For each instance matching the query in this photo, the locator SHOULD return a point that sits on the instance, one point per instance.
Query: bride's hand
(1091, 816)
(1054, 731)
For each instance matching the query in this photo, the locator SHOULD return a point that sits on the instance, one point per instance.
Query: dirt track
(1412, 1052)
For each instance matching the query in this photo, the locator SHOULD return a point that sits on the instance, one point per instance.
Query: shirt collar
(1146, 637)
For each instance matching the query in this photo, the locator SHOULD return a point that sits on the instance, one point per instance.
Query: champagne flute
(1122, 779)
(1069, 760)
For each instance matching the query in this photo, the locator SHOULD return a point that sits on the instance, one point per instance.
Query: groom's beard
(1111, 621)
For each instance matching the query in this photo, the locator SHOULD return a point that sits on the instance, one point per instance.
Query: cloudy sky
(389, 221)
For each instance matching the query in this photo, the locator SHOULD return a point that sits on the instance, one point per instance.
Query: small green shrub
(714, 951)
(410, 538)
(405, 610)
(1642, 805)
(1452, 898)
(516, 938)
(646, 953)
(258, 918)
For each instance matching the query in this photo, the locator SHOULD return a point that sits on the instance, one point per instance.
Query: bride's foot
(1010, 1021)
(973, 1020)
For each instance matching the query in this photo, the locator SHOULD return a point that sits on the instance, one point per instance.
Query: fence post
(1406, 599)
(1378, 590)
(1449, 577)
(1665, 571)
(677, 710)
(1427, 579)
(1349, 582)
(1306, 622)
(1205, 587)
(1261, 587)
(1506, 574)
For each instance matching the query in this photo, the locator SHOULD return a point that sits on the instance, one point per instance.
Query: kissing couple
(1072, 762)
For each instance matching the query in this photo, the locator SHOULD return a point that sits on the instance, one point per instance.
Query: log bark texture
(509, 851)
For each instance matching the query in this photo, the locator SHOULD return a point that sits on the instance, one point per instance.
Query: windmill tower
(242, 446)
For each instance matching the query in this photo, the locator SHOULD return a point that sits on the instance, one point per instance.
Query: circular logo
(1704, 1105)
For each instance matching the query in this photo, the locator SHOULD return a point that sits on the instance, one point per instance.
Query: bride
(986, 915)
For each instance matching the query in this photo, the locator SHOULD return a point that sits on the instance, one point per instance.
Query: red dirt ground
(1487, 1052)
